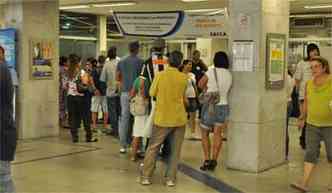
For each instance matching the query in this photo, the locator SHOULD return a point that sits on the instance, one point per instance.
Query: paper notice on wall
(276, 59)
(243, 56)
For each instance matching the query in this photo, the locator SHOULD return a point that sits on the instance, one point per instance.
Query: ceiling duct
(307, 22)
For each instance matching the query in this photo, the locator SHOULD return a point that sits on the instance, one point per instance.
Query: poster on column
(276, 60)
(173, 24)
(42, 58)
(8, 42)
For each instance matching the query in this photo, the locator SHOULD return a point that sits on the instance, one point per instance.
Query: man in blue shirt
(128, 70)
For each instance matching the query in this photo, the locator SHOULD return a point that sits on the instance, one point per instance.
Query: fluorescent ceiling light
(74, 7)
(114, 4)
(86, 6)
(189, 1)
(201, 10)
(317, 6)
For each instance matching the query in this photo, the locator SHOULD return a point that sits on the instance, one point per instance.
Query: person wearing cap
(128, 69)
(302, 75)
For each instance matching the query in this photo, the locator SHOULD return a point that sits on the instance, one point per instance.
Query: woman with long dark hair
(214, 119)
(79, 86)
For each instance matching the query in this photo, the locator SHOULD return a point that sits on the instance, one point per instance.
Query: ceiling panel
(146, 5)
(297, 6)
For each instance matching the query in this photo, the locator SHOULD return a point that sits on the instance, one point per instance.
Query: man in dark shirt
(7, 126)
(199, 67)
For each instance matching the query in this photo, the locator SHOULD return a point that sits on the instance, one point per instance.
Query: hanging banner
(204, 25)
(148, 24)
(176, 24)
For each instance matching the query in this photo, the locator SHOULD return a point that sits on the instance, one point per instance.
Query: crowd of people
(175, 92)
(148, 104)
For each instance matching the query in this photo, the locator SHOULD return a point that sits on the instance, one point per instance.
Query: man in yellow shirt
(168, 88)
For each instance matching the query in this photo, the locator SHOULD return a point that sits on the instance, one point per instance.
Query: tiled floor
(274, 180)
(57, 165)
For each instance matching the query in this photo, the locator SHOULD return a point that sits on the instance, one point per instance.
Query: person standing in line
(140, 90)
(99, 103)
(198, 69)
(108, 76)
(317, 113)
(156, 63)
(170, 118)
(7, 127)
(290, 84)
(191, 94)
(302, 75)
(217, 79)
(128, 70)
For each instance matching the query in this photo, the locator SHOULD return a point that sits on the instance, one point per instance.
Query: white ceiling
(297, 6)
(146, 5)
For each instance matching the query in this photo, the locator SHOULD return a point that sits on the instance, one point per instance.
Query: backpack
(139, 106)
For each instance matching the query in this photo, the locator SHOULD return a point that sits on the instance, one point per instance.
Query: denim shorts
(213, 116)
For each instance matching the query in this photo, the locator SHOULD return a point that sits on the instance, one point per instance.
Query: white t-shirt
(289, 86)
(303, 73)
(224, 83)
(190, 91)
(108, 75)
(72, 87)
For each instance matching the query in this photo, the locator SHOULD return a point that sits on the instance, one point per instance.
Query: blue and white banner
(175, 24)
(149, 24)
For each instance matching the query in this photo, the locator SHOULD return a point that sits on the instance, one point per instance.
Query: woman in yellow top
(317, 113)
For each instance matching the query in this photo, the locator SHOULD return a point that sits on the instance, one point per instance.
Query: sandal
(213, 165)
(206, 165)
(299, 187)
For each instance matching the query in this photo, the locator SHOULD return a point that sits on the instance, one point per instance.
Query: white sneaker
(170, 183)
(123, 150)
(145, 181)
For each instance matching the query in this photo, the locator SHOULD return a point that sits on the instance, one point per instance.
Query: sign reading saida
(176, 24)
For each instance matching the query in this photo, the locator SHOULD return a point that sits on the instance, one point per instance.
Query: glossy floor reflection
(56, 165)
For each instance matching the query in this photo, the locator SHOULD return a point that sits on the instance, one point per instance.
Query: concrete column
(208, 47)
(256, 137)
(37, 99)
(101, 35)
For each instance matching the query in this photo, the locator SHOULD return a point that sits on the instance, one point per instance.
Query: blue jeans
(124, 120)
(114, 111)
(6, 182)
